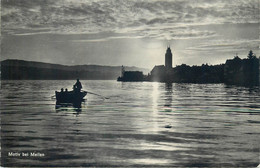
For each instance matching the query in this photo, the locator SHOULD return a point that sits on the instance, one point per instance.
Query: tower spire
(168, 58)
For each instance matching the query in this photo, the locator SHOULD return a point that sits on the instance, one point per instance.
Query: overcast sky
(129, 32)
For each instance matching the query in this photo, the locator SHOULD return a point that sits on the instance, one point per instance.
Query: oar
(95, 94)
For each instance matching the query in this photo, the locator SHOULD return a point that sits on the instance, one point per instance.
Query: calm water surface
(141, 124)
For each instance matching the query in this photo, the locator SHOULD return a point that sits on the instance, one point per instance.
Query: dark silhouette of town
(236, 71)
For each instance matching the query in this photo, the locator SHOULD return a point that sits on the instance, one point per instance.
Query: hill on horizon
(21, 69)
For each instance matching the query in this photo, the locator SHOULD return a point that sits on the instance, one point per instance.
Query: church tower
(168, 59)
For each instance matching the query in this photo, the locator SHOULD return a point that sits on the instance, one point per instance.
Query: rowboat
(70, 97)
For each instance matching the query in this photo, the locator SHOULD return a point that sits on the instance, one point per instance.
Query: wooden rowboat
(70, 97)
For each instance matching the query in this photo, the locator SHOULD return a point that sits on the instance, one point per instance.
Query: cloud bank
(164, 19)
(199, 31)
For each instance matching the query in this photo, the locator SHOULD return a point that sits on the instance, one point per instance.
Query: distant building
(131, 76)
(127, 76)
(162, 73)
(168, 59)
(158, 73)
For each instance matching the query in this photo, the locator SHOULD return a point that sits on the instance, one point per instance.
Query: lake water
(141, 124)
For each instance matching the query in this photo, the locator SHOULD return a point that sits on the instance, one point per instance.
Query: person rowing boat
(77, 86)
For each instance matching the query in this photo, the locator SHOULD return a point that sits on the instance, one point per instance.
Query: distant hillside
(19, 69)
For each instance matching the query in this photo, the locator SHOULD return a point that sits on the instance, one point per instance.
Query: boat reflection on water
(75, 106)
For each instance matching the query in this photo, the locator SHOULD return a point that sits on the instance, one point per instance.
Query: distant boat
(70, 97)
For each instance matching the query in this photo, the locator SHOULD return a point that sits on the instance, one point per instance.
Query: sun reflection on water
(155, 96)
(151, 161)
